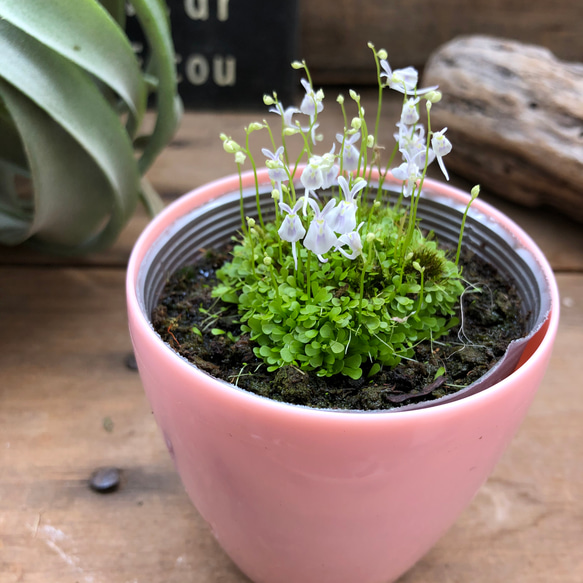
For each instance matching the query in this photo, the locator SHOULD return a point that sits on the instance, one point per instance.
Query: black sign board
(230, 52)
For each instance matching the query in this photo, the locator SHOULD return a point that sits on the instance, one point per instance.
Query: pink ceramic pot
(314, 496)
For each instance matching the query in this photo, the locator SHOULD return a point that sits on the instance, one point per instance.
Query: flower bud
(290, 131)
(382, 54)
(268, 100)
(250, 222)
(240, 157)
(275, 194)
(370, 141)
(354, 95)
(230, 146)
(428, 105)
(298, 65)
(340, 99)
(356, 123)
(267, 261)
(434, 96)
(254, 126)
(475, 191)
(370, 237)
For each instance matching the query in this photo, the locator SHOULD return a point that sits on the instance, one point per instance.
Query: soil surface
(491, 320)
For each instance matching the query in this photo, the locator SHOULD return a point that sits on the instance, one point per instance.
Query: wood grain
(63, 374)
(335, 32)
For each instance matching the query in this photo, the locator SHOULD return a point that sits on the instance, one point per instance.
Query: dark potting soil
(491, 320)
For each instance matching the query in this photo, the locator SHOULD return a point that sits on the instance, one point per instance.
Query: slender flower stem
(273, 144)
(379, 107)
(308, 276)
(362, 276)
(417, 194)
(344, 114)
(474, 195)
(341, 171)
(420, 303)
(299, 274)
(383, 174)
(305, 150)
(363, 156)
(274, 281)
(241, 202)
(283, 128)
(254, 166)
(252, 243)
(362, 273)
(420, 187)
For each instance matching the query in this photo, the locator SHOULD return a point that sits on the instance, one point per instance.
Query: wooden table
(69, 404)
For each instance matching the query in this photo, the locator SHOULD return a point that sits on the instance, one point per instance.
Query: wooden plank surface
(69, 405)
(335, 32)
(64, 376)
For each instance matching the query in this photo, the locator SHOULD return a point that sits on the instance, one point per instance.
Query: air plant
(73, 97)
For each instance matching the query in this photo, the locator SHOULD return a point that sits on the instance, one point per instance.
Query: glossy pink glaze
(301, 495)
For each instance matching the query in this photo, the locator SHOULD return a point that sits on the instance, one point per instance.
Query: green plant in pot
(334, 276)
(73, 97)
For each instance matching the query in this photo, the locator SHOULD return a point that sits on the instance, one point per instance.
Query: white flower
(353, 241)
(275, 167)
(350, 154)
(320, 238)
(312, 101)
(286, 114)
(409, 172)
(409, 114)
(342, 218)
(312, 177)
(316, 173)
(330, 174)
(441, 146)
(292, 229)
(403, 80)
(412, 141)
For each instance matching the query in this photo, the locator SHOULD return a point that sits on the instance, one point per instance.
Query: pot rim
(206, 193)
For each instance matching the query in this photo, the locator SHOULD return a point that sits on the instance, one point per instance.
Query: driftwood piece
(515, 116)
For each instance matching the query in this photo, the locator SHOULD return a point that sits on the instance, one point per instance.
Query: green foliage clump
(330, 326)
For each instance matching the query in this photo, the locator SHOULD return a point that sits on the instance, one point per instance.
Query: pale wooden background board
(334, 33)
